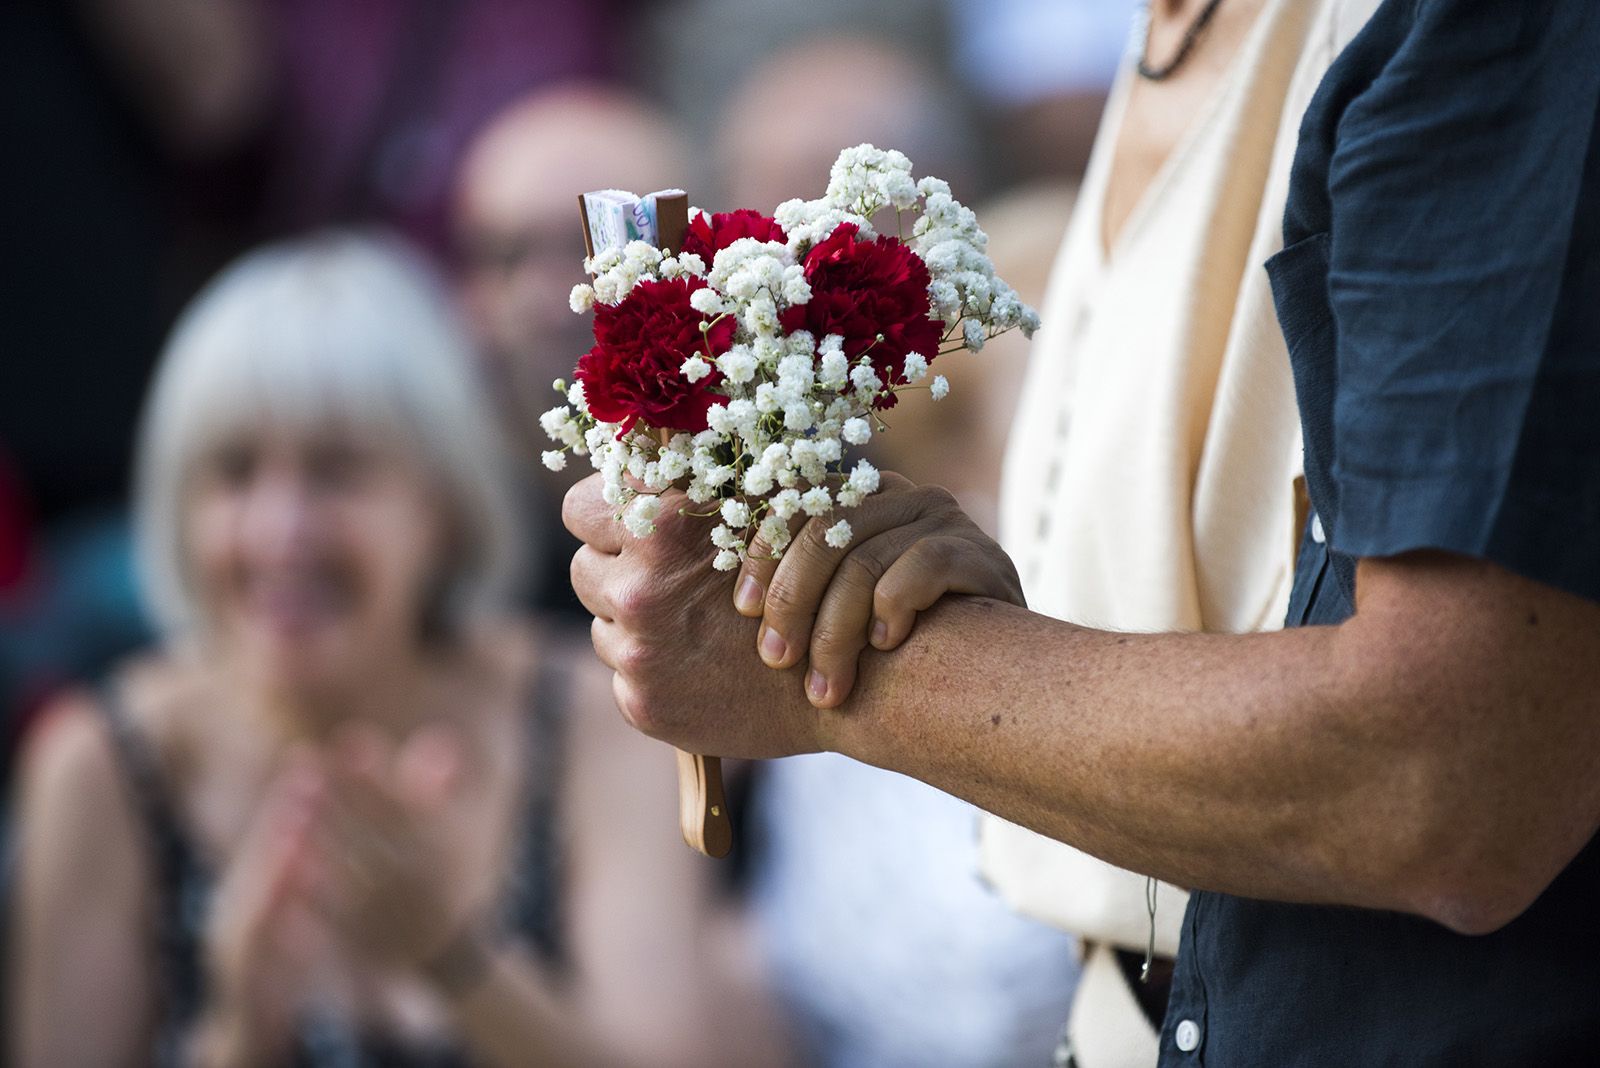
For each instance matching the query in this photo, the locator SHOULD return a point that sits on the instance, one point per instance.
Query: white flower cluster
(773, 452)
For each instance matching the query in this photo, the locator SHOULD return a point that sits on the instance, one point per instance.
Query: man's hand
(686, 666)
(911, 546)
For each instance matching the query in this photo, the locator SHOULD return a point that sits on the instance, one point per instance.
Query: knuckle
(636, 602)
(859, 571)
(834, 639)
(784, 596)
(633, 706)
(633, 659)
(573, 504)
(889, 599)
(939, 501)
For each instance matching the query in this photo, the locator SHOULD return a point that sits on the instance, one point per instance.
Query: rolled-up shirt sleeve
(1464, 280)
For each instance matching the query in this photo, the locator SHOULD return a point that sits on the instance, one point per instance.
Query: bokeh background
(150, 141)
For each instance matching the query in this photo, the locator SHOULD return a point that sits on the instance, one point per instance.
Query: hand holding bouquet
(741, 362)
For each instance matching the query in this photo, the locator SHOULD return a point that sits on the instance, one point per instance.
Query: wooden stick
(672, 222)
(702, 805)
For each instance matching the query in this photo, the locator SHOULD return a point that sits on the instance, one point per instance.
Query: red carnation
(633, 372)
(860, 289)
(708, 236)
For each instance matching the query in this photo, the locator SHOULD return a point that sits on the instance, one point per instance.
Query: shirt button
(1318, 535)
(1187, 1036)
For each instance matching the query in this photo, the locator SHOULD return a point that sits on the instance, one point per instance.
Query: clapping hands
(350, 856)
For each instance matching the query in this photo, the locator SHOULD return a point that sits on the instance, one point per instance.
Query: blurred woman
(351, 812)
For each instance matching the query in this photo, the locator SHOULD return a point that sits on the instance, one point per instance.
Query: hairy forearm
(1152, 751)
(1308, 765)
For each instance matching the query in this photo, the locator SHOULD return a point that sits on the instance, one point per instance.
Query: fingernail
(880, 632)
(817, 685)
(748, 597)
(772, 646)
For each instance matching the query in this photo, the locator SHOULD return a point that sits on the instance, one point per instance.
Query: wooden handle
(702, 807)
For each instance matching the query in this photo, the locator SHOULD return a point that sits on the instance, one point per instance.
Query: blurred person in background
(888, 949)
(518, 251)
(352, 812)
(156, 139)
(1040, 71)
(691, 54)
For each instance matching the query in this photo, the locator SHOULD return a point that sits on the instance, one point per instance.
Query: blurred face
(519, 242)
(516, 274)
(314, 556)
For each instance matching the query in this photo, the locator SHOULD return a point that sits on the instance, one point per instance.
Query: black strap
(178, 957)
(536, 907)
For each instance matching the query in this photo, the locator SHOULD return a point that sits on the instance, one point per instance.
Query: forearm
(1308, 765)
(1155, 752)
(512, 1015)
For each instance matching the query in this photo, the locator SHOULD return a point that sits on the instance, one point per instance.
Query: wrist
(462, 965)
(230, 1037)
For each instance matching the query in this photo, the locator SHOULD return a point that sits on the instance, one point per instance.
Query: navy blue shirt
(1439, 290)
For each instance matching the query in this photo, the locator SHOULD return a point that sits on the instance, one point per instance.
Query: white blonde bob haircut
(340, 329)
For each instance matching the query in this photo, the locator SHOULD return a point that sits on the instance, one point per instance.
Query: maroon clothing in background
(379, 99)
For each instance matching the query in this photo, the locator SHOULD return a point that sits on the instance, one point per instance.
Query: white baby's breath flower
(775, 532)
(838, 535)
(915, 367)
(758, 480)
(726, 560)
(972, 335)
(724, 537)
(856, 431)
(695, 368)
(835, 369)
(785, 504)
(674, 465)
(816, 501)
(766, 398)
(553, 459)
(738, 365)
(736, 514)
(940, 389)
(706, 301)
(641, 514)
(796, 290)
(864, 478)
(581, 299)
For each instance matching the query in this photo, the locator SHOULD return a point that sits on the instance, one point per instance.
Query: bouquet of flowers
(741, 362)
